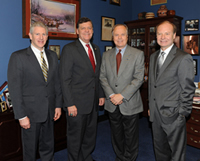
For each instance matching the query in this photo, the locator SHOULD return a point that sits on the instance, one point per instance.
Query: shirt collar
(167, 50)
(122, 50)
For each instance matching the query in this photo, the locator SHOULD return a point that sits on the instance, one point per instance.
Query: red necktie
(118, 59)
(91, 57)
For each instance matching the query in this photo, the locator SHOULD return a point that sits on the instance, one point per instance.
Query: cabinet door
(137, 38)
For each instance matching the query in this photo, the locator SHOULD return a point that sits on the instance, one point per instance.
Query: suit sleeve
(138, 78)
(186, 79)
(15, 75)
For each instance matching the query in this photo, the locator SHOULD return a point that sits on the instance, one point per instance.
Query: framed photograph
(56, 49)
(192, 25)
(116, 2)
(3, 88)
(155, 2)
(8, 100)
(191, 44)
(108, 48)
(3, 106)
(107, 24)
(60, 16)
(195, 66)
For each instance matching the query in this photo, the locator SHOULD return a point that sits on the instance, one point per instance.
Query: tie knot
(162, 53)
(88, 45)
(119, 51)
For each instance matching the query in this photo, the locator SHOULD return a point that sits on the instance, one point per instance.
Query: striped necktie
(44, 67)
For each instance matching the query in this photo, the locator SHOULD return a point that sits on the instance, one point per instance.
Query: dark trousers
(169, 139)
(81, 136)
(125, 135)
(41, 134)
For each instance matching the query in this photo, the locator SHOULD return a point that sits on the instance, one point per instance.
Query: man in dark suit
(36, 95)
(79, 70)
(121, 80)
(171, 90)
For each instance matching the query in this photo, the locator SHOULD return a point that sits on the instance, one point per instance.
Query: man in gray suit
(36, 96)
(171, 90)
(79, 71)
(121, 80)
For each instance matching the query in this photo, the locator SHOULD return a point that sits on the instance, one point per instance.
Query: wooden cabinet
(142, 35)
(193, 127)
(10, 136)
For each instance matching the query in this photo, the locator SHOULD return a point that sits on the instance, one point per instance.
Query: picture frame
(56, 49)
(156, 2)
(108, 48)
(192, 25)
(195, 66)
(191, 44)
(61, 22)
(3, 106)
(3, 88)
(8, 100)
(107, 24)
(115, 2)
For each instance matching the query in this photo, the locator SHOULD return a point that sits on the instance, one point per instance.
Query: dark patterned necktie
(118, 59)
(91, 57)
(44, 67)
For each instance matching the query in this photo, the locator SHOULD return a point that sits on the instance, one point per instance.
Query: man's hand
(116, 99)
(25, 123)
(72, 111)
(57, 114)
(101, 101)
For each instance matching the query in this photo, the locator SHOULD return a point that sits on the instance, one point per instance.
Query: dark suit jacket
(80, 85)
(171, 92)
(31, 96)
(127, 82)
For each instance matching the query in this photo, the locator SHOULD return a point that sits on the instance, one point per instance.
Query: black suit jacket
(80, 84)
(31, 96)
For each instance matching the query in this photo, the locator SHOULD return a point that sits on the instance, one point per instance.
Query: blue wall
(11, 23)
(11, 26)
(184, 8)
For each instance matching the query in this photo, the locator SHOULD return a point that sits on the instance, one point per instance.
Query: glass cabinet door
(137, 38)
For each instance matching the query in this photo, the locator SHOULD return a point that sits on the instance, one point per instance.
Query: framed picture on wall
(8, 100)
(56, 49)
(155, 2)
(192, 25)
(108, 48)
(107, 24)
(195, 66)
(191, 44)
(116, 2)
(60, 16)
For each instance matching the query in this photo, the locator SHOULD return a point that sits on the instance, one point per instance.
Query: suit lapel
(83, 54)
(113, 61)
(96, 57)
(50, 62)
(124, 61)
(34, 62)
(168, 60)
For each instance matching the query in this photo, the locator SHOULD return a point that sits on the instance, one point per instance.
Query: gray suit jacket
(127, 82)
(80, 84)
(171, 93)
(31, 96)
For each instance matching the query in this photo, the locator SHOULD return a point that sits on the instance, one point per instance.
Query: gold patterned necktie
(44, 67)
(118, 59)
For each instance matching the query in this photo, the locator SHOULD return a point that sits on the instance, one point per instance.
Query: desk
(193, 127)
(10, 136)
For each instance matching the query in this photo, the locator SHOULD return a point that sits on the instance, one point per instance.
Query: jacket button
(115, 85)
